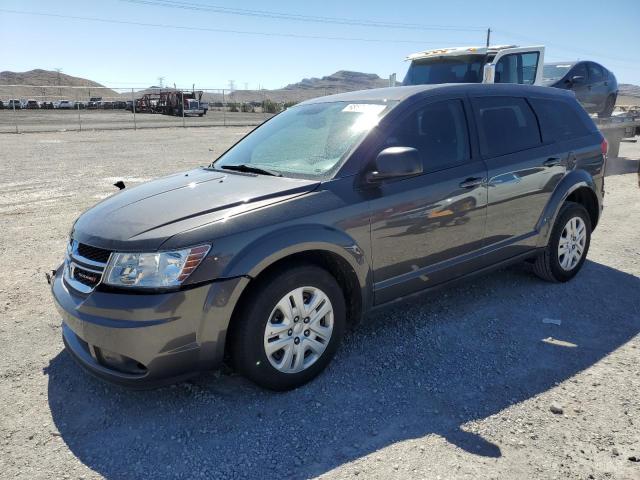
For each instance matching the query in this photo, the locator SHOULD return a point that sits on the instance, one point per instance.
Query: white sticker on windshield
(368, 108)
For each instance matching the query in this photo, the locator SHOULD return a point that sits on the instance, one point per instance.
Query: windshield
(306, 141)
(555, 71)
(455, 69)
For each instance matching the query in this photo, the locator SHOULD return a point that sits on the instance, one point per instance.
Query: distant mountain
(46, 84)
(343, 80)
(629, 90)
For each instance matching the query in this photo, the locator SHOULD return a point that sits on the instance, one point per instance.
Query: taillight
(604, 146)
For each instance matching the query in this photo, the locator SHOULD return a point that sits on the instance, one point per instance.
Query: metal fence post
(78, 108)
(182, 95)
(133, 109)
(15, 118)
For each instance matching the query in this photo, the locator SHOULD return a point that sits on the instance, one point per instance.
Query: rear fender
(571, 182)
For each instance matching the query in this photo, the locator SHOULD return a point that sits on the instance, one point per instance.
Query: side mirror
(395, 162)
(577, 79)
(489, 73)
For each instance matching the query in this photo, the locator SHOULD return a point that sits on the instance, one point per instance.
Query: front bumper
(144, 340)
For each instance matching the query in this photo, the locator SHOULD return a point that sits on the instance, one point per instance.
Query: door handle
(471, 182)
(551, 162)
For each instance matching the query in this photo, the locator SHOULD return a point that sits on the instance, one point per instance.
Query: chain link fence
(29, 108)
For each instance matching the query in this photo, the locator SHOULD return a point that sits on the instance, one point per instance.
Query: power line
(298, 17)
(220, 30)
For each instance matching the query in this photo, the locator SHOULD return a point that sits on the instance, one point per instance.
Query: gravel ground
(476, 381)
(64, 120)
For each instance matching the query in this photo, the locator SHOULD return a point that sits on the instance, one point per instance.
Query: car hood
(144, 217)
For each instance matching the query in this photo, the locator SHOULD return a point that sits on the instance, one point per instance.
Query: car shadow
(423, 367)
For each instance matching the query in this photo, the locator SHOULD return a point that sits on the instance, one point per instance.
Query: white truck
(494, 64)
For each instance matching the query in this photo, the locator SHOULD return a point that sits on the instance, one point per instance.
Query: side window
(506, 125)
(517, 68)
(595, 73)
(580, 70)
(558, 120)
(438, 131)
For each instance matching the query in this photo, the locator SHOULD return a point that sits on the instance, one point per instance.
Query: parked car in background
(14, 103)
(47, 105)
(336, 206)
(94, 102)
(32, 105)
(65, 105)
(1, 105)
(596, 88)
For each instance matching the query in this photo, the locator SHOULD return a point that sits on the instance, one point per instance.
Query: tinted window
(438, 131)
(580, 70)
(595, 73)
(517, 68)
(507, 125)
(558, 120)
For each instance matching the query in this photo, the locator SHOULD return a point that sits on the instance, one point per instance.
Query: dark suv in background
(596, 88)
(334, 207)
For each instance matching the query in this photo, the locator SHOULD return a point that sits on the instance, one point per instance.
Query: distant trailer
(172, 102)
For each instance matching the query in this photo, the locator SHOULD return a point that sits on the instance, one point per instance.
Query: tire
(279, 369)
(609, 106)
(549, 264)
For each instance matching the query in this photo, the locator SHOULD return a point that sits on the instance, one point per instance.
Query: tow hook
(50, 276)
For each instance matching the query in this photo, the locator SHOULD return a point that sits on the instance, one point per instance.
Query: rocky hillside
(46, 86)
(342, 80)
(629, 90)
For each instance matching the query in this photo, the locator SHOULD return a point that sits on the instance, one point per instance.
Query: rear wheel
(568, 245)
(290, 328)
(609, 105)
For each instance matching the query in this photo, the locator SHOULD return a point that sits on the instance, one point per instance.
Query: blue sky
(124, 55)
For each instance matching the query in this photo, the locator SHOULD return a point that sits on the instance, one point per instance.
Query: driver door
(423, 228)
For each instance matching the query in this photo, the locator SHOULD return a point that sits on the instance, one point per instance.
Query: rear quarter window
(559, 121)
(506, 125)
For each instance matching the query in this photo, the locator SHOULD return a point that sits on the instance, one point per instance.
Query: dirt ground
(503, 376)
(64, 120)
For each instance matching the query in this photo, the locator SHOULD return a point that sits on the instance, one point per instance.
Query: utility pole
(488, 36)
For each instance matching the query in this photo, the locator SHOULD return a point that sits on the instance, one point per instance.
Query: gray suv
(332, 208)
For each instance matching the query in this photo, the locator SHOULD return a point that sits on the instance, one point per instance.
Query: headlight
(153, 270)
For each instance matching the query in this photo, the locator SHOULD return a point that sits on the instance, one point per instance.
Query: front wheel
(290, 328)
(568, 245)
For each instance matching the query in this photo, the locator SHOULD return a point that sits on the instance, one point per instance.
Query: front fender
(571, 182)
(264, 251)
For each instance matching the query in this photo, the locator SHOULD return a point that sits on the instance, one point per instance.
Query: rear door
(422, 226)
(522, 171)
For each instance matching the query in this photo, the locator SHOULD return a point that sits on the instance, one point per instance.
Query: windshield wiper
(243, 167)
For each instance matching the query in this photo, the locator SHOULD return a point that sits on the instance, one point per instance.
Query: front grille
(84, 266)
(93, 253)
